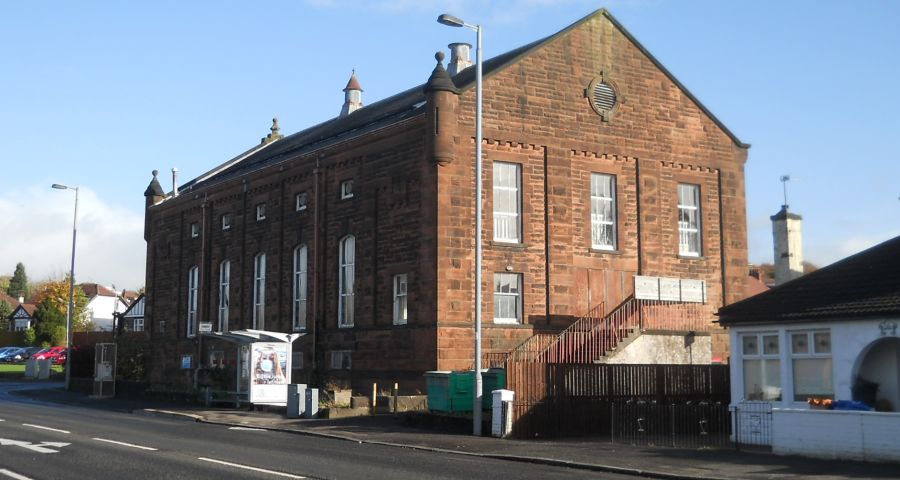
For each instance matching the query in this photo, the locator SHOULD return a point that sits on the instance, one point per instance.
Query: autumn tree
(18, 284)
(54, 295)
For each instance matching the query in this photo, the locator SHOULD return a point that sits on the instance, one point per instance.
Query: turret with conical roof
(442, 100)
(152, 195)
(352, 96)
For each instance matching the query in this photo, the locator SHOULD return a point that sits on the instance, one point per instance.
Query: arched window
(300, 282)
(224, 294)
(193, 280)
(347, 255)
(259, 291)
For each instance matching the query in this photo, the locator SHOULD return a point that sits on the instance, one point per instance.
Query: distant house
(831, 334)
(103, 302)
(22, 316)
(133, 317)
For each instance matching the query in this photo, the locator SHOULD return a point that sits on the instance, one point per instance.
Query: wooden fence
(576, 399)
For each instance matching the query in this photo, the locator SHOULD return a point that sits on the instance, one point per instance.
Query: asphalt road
(53, 441)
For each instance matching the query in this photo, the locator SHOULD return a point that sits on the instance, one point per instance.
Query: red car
(56, 354)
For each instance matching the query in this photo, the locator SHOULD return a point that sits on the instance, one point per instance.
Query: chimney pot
(459, 57)
(175, 181)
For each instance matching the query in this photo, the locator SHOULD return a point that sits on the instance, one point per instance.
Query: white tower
(352, 96)
(788, 239)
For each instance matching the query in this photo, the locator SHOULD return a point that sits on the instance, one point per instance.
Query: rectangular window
(603, 211)
(226, 221)
(301, 201)
(400, 306)
(346, 274)
(259, 291)
(195, 230)
(347, 189)
(261, 212)
(507, 202)
(193, 278)
(224, 294)
(138, 325)
(689, 243)
(300, 282)
(811, 363)
(507, 298)
(341, 360)
(762, 366)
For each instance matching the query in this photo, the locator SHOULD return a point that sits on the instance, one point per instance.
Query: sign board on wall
(270, 372)
(669, 289)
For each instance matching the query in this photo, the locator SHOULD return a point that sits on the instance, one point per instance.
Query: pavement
(584, 453)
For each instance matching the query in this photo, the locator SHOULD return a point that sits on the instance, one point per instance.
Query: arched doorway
(879, 365)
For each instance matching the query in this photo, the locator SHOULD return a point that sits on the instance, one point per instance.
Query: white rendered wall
(663, 349)
(100, 311)
(849, 339)
(836, 434)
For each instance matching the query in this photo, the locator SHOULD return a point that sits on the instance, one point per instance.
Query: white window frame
(195, 230)
(689, 220)
(814, 352)
(500, 294)
(224, 294)
(346, 280)
(762, 356)
(301, 280)
(507, 224)
(301, 200)
(259, 291)
(137, 324)
(260, 211)
(226, 221)
(598, 220)
(401, 299)
(341, 359)
(347, 189)
(193, 287)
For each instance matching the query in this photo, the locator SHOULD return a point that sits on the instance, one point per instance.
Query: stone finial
(276, 132)
(440, 79)
(154, 189)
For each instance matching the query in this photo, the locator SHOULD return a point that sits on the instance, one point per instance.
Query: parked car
(52, 353)
(6, 352)
(10, 356)
(25, 354)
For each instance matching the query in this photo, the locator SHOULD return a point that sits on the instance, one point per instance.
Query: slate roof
(861, 286)
(400, 107)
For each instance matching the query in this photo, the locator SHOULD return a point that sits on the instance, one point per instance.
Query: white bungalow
(829, 335)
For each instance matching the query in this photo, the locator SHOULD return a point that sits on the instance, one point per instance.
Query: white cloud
(36, 229)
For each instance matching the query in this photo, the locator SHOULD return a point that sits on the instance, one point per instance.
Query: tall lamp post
(71, 288)
(452, 21)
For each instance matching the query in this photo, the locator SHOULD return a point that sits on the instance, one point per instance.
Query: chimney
(174, 181)
(352, 96)
(459, 58)
(21, 299)
(788, 240)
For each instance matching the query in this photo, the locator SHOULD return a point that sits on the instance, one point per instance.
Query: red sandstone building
(599, 166)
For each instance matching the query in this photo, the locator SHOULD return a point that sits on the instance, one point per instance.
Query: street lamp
(71, 288)
(452, 21)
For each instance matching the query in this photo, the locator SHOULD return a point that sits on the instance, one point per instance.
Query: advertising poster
(269, 372)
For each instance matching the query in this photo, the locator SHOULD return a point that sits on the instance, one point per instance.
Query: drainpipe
(317, 276)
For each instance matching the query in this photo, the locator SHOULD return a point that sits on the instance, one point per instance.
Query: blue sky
(97, 94)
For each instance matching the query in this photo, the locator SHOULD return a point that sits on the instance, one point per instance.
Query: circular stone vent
(604, 97)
